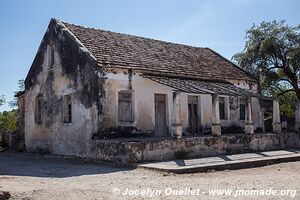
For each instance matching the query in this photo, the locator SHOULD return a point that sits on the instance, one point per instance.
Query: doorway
(193, 115)
(160, 115)
(268, 122)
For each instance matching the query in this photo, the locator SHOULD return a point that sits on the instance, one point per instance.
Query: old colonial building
(86, 85)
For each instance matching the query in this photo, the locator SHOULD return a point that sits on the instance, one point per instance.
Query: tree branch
(286, 91)
(275, 64)
(275, 67)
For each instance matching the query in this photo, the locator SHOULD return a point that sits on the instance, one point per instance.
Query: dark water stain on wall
(86, 77)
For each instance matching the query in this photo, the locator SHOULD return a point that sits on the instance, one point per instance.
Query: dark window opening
(51, 60)
(67, 108)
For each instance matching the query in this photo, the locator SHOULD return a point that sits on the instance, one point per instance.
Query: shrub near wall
(3, 141)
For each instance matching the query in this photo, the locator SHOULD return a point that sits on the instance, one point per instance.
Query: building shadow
(261, 154)
(225, 157)
(180, 163)
(293, 150)
(35, 165)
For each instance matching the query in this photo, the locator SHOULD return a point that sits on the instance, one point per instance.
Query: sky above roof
(219, 25)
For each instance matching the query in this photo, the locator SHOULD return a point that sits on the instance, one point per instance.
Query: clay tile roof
(202, 87)
(123, 50)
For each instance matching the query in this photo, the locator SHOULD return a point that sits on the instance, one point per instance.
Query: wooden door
(268, 121)
(160, 115)
(193, 114)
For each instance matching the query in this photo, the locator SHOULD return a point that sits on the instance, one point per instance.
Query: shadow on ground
(27, 164)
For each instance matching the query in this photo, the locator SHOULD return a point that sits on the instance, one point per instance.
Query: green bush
(8, 121)
(181, 154)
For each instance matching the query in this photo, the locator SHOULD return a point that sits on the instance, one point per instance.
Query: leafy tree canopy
(8, 121)
(272, 53)
(14, 103)
(2, 100)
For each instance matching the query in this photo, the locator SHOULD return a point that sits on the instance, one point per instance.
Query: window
(242, 109)
(51, 56)
(38, 109)
(222, 108)
(67, 109)
(125, 106)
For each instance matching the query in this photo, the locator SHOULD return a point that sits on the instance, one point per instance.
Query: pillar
(297, 116)
(216, 123)
(276, 117)
(249, 127)
(176, 119)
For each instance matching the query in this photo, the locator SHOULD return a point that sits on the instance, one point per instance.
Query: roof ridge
(132, 35)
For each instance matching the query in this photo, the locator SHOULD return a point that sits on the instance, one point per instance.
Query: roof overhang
(203, 87)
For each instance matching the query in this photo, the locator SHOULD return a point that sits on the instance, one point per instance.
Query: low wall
(126, 151)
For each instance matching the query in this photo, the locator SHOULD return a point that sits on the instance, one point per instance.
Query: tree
(2, 100)
(14, 103)
(272, 53)
(287, 102)
(8, 121)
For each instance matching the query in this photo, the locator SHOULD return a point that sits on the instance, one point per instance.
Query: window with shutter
(242, 109)
(125, 107)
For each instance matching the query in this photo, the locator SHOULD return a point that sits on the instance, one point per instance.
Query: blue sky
(218, 24)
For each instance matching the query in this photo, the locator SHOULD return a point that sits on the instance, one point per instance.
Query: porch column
(276, 117)
(216, 123)
(176, 119)
(249, 128)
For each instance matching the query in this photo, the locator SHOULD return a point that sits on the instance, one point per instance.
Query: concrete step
(237, 161)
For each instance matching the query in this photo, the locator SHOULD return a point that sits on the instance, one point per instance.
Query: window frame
(242, 101)
(67, 110)
(131, 107)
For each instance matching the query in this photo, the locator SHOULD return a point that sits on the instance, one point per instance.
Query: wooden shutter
(125, 107)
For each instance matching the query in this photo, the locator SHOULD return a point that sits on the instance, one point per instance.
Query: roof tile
(123, 50)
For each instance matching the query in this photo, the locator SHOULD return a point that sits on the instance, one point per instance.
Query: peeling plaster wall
(143, 95)
(73, 73)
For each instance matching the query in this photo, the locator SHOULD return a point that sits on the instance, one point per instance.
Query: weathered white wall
(58, 137)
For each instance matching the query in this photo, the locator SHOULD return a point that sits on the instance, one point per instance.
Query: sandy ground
(31, 176)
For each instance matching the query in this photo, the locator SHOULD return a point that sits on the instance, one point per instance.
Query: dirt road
(30, 176)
